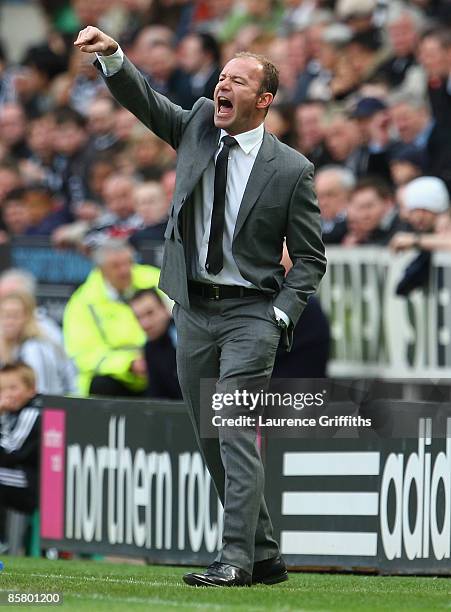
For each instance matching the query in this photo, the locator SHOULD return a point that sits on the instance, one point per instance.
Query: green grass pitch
(94, 585)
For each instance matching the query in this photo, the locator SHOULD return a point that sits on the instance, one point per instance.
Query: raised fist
(93, 40)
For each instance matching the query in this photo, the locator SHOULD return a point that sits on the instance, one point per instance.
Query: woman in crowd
(22, 339)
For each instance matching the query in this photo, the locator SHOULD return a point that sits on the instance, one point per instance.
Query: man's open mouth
(225, 106)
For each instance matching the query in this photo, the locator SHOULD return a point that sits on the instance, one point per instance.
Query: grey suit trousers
(233, 341)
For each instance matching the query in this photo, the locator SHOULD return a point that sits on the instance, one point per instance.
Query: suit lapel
(263, 169)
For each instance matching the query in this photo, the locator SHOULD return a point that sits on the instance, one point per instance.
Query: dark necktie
(215, 254)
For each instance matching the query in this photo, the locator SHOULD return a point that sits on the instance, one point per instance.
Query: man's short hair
(379, 185)
(270, 80)
(151, 291)
(345, 176)
(23, 370)
(111, 245)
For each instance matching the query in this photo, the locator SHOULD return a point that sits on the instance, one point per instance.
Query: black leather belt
(210, 291)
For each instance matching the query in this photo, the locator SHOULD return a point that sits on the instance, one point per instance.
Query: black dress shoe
(269, 571)
(219, 575)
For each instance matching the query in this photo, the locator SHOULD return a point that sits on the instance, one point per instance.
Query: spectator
(152, 208)
(43, 209)
(372, 156)
(101, 121)
(10, 178)
(341, 137)
(101, 332)
(401, 71)
(415, 126)
(331, 80)
(15, 214)
(21, 338)
(13, 130)
(311, 342)
(159, 350)
(71, 143)
(406, 163)
(309, 128)
(41, 166)
(365, 55)
(372, 216)
(426, 201)
(435, 57)
(333, 187)
(199, 57)
(19, 438)
(15, 280)
(120, 219)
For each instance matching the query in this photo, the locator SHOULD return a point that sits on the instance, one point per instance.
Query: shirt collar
(248, 140)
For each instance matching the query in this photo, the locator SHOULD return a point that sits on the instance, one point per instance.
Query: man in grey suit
(239, 195)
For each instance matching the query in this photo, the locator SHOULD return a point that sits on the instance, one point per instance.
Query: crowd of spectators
(365, 94)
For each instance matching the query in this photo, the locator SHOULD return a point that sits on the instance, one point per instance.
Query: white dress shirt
(241, 162)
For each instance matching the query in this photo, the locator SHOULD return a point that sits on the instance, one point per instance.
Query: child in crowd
(19, 438)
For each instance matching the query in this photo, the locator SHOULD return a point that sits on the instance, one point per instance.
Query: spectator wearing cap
(426, 201)
(199, 56)
(406, 163)
(372, 216)
(333, 186)
(372, 156)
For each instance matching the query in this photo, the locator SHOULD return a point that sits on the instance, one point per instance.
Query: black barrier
(121, 477)
(126, 477)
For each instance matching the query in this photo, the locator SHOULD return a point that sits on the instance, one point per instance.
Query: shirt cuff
(111, 63)
(280, 314)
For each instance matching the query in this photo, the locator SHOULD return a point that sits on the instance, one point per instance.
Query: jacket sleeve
(130, 88)
(87, 346)
(305, 247)
(19, 446)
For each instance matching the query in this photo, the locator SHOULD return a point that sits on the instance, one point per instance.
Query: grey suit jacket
(279, 201)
